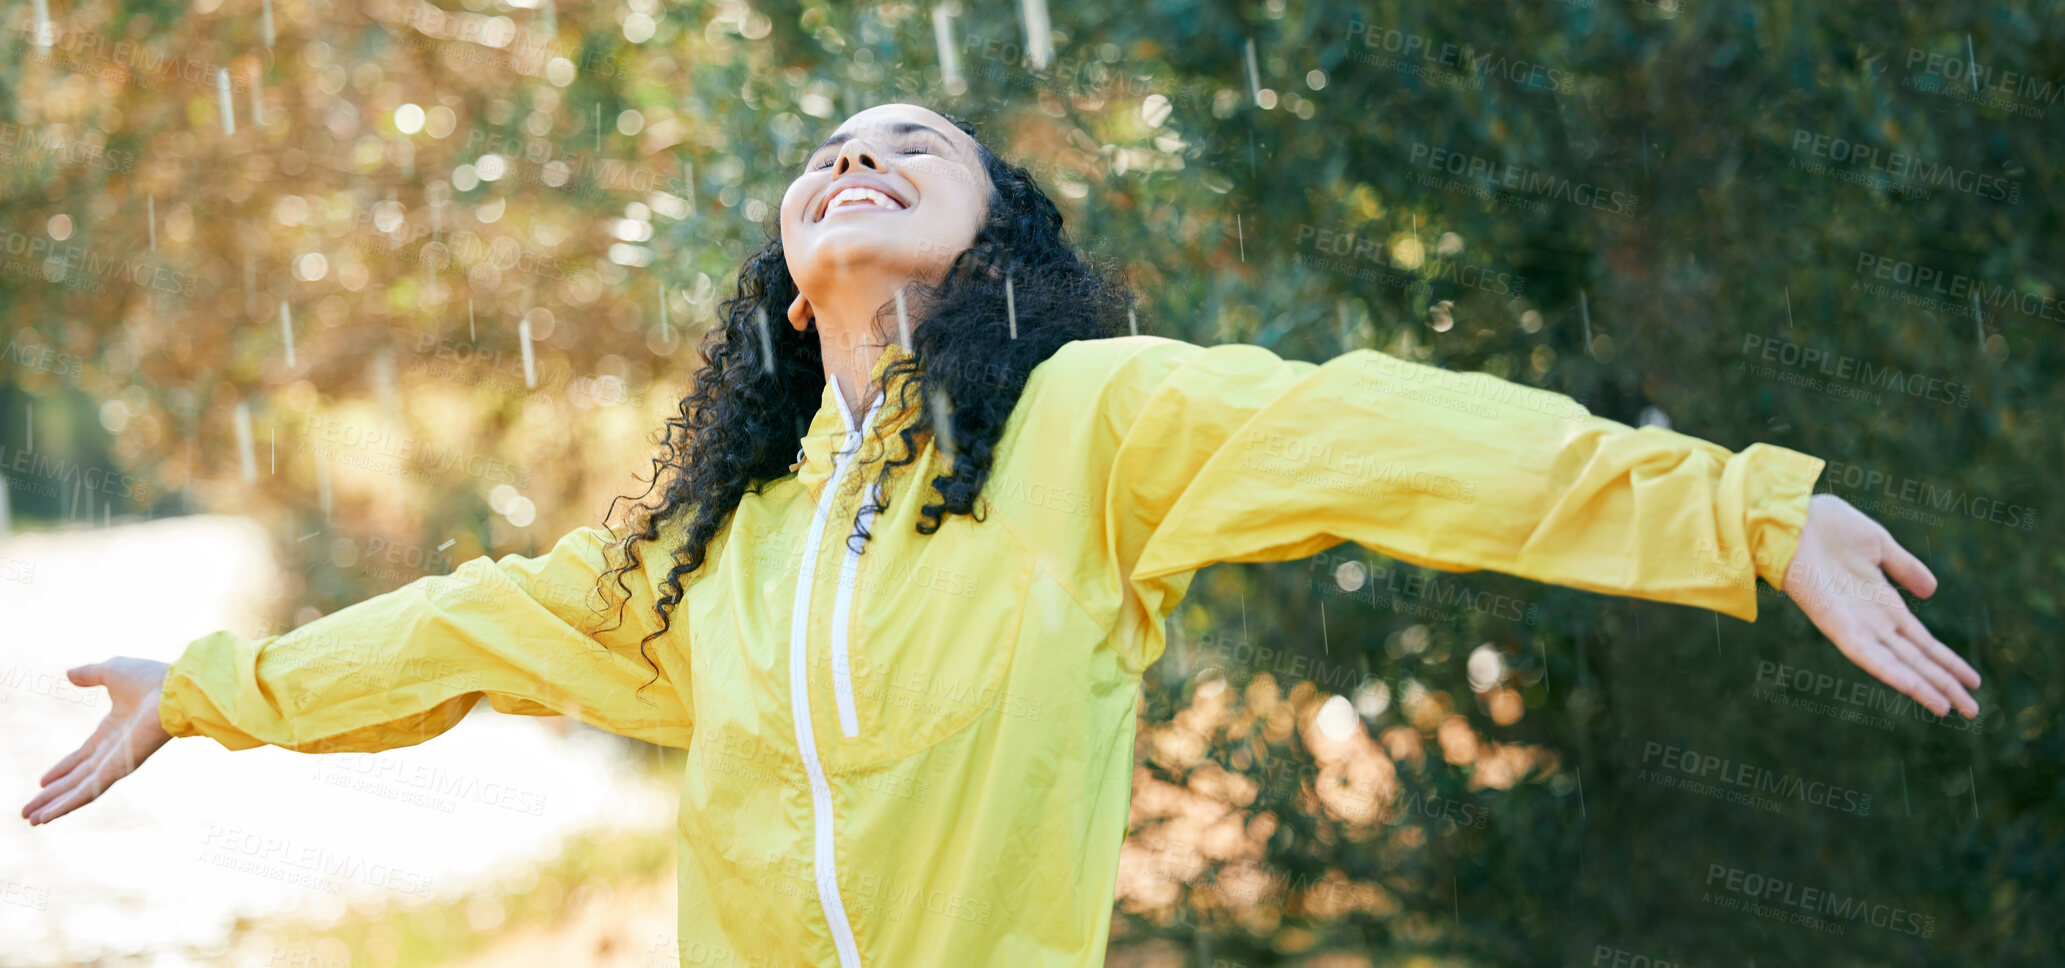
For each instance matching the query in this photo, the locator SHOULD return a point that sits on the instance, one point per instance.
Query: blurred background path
(160, 870)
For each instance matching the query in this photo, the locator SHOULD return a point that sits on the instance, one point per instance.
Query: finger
(86, 792)
(1907, 569)
(84, 751)
(53, 793)
(1938, 676)
(65, 765)
(71, 777)
(1872, 655)
(88, 675)
(1934, 648)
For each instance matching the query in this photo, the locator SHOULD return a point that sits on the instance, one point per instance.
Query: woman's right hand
(130, 734)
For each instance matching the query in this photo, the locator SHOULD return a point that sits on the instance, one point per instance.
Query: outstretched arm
(1230, 453)
(529, 633)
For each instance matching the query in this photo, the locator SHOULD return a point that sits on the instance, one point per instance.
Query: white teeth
(858, 194)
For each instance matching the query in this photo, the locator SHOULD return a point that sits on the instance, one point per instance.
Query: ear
(801, 313)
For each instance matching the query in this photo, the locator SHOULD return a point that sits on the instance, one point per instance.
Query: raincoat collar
(833, 427)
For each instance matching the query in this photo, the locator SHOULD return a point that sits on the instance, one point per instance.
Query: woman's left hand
(1838, 578)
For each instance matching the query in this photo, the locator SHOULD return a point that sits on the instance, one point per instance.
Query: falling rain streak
(1010, 305)
(530, 366)
(943, 35)
(287, 331)
(1039, 33)
(245, 452)
(903, 322)
(766, 340)
(229, 111)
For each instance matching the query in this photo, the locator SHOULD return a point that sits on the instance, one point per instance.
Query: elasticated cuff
(1784, 483)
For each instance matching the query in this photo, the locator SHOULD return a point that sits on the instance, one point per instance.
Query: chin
(854, 252)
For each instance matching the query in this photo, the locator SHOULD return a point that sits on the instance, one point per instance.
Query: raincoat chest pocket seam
(914, 676)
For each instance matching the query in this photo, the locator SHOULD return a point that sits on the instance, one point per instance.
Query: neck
(848, 334)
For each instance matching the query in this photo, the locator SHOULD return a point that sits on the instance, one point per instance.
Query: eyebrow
(900, 127)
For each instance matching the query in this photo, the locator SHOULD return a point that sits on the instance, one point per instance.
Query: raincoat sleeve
(1229, 453)
(529, 633)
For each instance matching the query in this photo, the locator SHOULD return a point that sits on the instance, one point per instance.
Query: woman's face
(893, 195)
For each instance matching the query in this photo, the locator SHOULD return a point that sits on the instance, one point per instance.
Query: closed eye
(907, 150)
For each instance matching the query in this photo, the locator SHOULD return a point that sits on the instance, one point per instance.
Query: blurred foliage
(1655, 206)
(585, 876)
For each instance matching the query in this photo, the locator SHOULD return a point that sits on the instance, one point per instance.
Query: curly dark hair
(739, 426)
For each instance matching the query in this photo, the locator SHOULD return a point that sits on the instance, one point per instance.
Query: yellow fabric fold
(1230, 453)
(402, 667)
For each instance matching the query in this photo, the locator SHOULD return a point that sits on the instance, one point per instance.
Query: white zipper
(842, 669)
(826, 866)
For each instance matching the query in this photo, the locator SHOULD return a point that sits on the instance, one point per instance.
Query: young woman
(905, 657)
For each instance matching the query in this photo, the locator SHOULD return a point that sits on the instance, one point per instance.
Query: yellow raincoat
(921, 755)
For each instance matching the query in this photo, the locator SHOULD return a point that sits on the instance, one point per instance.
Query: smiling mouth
(857, 199)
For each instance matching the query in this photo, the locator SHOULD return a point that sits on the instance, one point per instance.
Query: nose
(857, 153)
